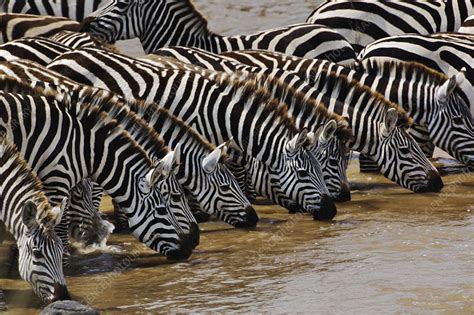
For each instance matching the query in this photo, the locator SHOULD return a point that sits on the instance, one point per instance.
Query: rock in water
(68, 307)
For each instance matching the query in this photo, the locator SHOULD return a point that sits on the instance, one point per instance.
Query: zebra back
(363, 22)
(16, 26)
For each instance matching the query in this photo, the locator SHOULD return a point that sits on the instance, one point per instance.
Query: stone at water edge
(68, 307)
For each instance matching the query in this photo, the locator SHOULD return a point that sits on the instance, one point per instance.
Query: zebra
(30, 218)
(37, 49)
(363, 22)
(118, 164)
(184, 92)
(402, 84)
(168, 185)
(16, 26)
(73, 9)
(87, 228)
(160, 23)
(448, 53)
(201, 174)
(468, 26)
(353, 93)
(333, 166)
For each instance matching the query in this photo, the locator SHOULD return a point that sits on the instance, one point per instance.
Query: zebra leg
(421, 135)
(367, 165)
(121, 219)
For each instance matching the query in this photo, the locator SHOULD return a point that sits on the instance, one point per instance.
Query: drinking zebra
(73, 9)
(333, 140)
(363, 22)
(120, 166)
(160, 23)
(468, 26)
(16, 26)
(365, 129)
(431, 98)
(30, 218)
(187, 94)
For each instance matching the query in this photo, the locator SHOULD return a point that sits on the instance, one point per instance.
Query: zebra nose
(327, 211)
(344, 193)
(251, 219)
(185, 248)
(194, 234)
(435, 183)
(470, 165)
(60, 293)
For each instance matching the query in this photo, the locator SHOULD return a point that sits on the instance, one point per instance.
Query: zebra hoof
(344, 194)
(328, 209)
(251, 219)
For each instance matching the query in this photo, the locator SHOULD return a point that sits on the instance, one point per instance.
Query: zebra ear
(328, 131)
(154, 175)
(298, 141)
(28, 215)
(177, 156)
(209, 163)
(390, 122)
(59, 211)
(445, 90)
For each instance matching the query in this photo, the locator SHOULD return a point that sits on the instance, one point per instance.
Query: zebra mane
(408, 71)
(248, 89)
(155, 109)
(202, 19)
(342, 84)
(343, 132)
(87, 102)
(27, 177)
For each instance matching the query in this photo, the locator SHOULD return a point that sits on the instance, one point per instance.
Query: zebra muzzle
(344, 194)
(327, 211)
(60, 293)
(251, 219)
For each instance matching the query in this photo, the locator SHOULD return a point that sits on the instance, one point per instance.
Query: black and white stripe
(73, 9)
(217, 109)
(363, 22)
(121, 167)
(16, 26)
(28, 216)
(468, 26)
(161, 23)
(429, 97)
(445, 52)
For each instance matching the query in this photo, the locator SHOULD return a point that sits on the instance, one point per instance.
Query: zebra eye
(333, 162)
(225, 188)
(302, 173)
(458, 120)
(176, 197)
(37, 253)
(404, 150)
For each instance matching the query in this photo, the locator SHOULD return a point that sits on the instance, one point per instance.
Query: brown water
(388, 250)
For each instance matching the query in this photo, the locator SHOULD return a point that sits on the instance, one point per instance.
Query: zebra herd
(205, 123)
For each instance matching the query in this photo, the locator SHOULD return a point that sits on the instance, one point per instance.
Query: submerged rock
(68, 307)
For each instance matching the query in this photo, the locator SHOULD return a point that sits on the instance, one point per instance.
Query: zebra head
(150, 219)
(41, 253)
(115, 20)
(402, 160)
(302, 182)
(174, 196)
(451, 126)
(86, 224)
(333, 156)
(221, 192)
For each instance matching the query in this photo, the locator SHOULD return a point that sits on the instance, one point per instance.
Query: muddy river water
(387, 251)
